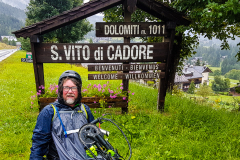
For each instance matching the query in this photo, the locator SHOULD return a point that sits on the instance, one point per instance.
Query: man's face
(69, 95)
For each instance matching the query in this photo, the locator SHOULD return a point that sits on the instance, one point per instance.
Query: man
(56, 131)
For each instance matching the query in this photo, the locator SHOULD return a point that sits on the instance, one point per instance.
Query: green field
(186, 130)
(233, 82)
(214, 68)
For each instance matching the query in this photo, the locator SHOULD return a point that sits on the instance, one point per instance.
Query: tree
(216, 73)
(198, 62)
(25, 44)
(204, 90)
(233, 74)
(191, 88)
(39, 10)
(90, 41)
(5, 40)
(213, 19)
(12, 43)
(220, 84)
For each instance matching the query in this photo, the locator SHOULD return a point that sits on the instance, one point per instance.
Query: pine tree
(90, 41)
(198, 62)
(191, 88)
(39, 10)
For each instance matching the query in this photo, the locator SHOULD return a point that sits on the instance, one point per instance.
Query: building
(198, 74)
(10, 38)
(233, 90)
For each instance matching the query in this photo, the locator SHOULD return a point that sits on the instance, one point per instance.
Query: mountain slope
(21, 4)
(9, 24)
(12, 11)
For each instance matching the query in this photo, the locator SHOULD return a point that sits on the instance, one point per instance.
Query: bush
(177, 91)
(150, 83)
(191, 89)
(204, 90)
(233, 74)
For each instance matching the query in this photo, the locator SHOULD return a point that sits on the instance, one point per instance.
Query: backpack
(83, 110)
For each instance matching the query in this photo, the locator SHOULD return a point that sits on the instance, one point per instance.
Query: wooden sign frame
(167, 14)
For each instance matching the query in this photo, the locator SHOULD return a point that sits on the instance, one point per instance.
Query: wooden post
(127, 18)
(38, 67)
(162, 89)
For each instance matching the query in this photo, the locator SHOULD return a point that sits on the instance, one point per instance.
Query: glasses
(66, 88)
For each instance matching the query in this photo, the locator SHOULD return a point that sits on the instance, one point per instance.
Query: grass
(186, 130)
(233, 82)
(214, 68)
(5, 46)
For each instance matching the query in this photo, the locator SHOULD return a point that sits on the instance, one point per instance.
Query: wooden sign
(101, 53)
(115, 76)
(130, 29)
(127, 67)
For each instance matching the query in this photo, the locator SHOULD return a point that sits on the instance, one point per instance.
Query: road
(4, 53)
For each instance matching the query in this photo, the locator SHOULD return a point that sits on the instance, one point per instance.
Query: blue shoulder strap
(65, 132)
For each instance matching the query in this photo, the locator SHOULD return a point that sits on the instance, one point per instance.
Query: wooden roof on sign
(157, 9)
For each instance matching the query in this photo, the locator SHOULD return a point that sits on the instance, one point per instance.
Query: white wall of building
(205, 78)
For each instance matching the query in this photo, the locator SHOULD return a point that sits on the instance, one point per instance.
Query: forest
(11, 19)
(9, 24)
(12, 11)
(216, 57)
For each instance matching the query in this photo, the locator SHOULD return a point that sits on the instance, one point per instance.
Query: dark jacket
(42, 137)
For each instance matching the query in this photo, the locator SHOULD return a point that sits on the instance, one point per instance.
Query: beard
(70, 99)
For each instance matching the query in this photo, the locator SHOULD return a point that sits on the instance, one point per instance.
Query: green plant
(150, 83)
(52, 91)
(191, 88)
(236, 100)
(177, 91)
(186, 130)
(237, 89)
(105, 90)
(204, 90)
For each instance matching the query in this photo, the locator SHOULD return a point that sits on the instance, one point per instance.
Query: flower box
(92, 102)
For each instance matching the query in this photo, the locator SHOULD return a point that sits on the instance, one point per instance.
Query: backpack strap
(54, 112)
(83, 110)
(65, 132)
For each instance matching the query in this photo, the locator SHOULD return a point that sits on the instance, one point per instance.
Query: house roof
(202, 69)
(157, 9)
(190, 73)
(235, 86)
(180, 79)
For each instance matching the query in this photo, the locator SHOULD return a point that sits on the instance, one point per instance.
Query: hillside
(93, 19)
(11, 19)
(186, 130)
(21, 4)
(12, 11)
(9, 24)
